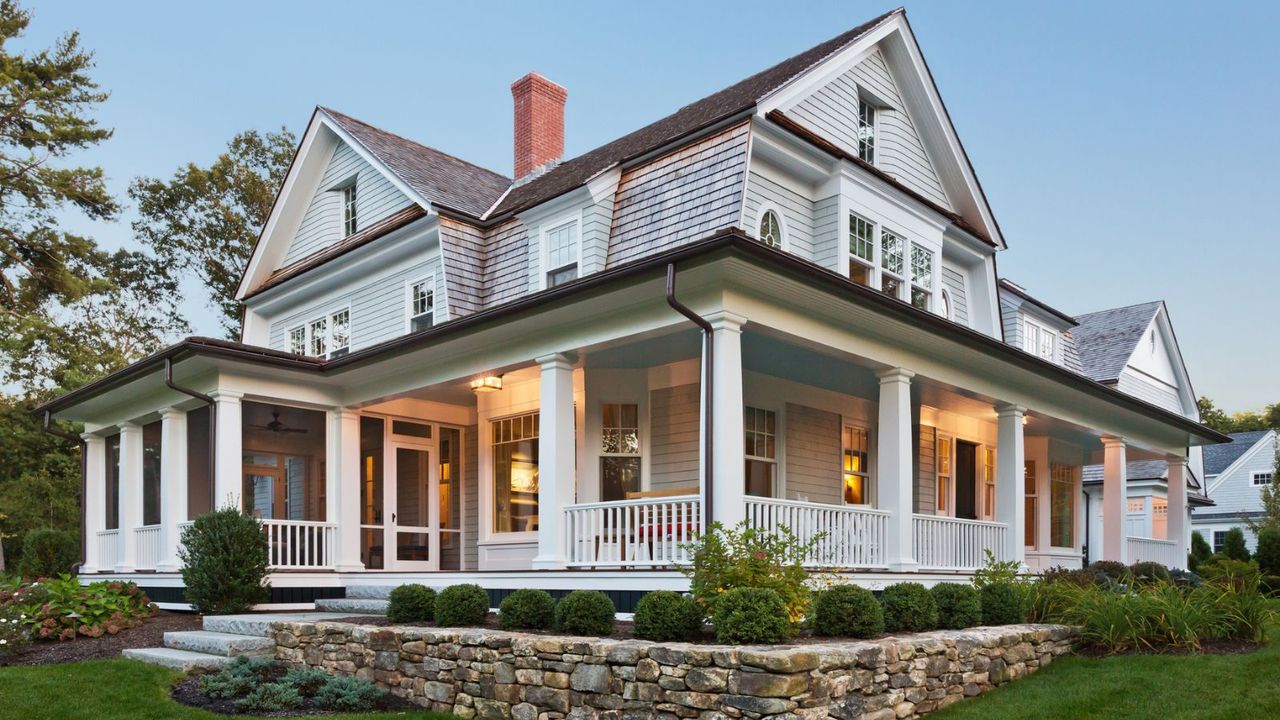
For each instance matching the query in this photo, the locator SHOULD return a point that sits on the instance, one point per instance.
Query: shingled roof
(1106, 339)
(1219, 457)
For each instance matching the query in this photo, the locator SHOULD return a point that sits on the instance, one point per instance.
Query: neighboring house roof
(1007, 285)
(1106, 339)
(1220, 457)
(1138, 470)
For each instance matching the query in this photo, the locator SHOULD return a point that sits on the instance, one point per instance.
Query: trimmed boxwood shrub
(909, 607)
(48, 553)
(748, 615)
(1200, 551)
(1234, 547)
(1003, 604)
(585, 612)
(224, 562)
(1268, 552)
(527, 609)
(463, 605)
(847, 611)
(959, 606)
(411, 603)
(663, 615)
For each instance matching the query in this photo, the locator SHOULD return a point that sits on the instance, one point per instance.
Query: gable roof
(1220, 457)
(1106, 339)
(1010, 286)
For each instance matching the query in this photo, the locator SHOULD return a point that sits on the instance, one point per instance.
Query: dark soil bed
(149, 634)
(188, 692)
(1209, 647)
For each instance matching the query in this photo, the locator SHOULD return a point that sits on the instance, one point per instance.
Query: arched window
(770, 231)
(946, 304)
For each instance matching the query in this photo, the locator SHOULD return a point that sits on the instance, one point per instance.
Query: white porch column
(228, 483)
(130, 494)
(95, 501)
(894, 467)
(556, 462)
(1114, 500)
(1010, 475)
(728, 455)
(173, 485)
(1177, 517)
(342, 488)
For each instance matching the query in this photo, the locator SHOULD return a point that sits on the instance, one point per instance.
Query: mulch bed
(188, 692)
(149, 634)
(1209, 647)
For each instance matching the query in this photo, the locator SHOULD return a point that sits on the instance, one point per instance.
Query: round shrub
(411, 603)
(1109, 570)
(1080, 577)
(527, 609)
(1234, 547)
(585, 612)
(748, 615)
(1268, 552)
(1002, 604)
(462, 606)
(959, 606)
(48, 553)
(1149, 573)
(663, 615)
(908, 607)
(847, 611)
(1200, 551)
(224, 562)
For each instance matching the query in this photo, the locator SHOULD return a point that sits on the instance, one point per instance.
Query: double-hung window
(921, 277)
(945, 465)
(339, 333)
(619, 450)
(892, 263)
(349, 210)
(1259, 479)
(862, 249)
(762, 451)
(298, 340)
(866, 131)
(422, 303)
(988, 482)
(515, 473)
(562, 253)
(1029, 490)
(1062, 503)
(328, 336)
(1039, 340)
(856, 480)
(318, 337)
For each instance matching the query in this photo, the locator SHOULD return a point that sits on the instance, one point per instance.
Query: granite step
(259, 624)
(354, 605)
(375, 592)
(219, 643)
(181, 660)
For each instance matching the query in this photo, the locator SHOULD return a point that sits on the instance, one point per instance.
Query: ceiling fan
(276, 426)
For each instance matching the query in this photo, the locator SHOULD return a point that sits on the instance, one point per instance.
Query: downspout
(56, 431)
(213, 426)
(708, 393)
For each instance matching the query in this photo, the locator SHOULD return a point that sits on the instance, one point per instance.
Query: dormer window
(1039, 340)
(349, 210)
(422, 304)
(561, 253)
(770, 231)
(862, 249)
(921, 277)
(892, 263)
(866, 131)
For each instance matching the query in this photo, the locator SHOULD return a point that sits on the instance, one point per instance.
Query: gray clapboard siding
(680, 197)
(673, 431)
(813, 455)
(1147, 388)
(832, 111)
(953, 281)
(321, 225)
(926, 492)
(1071, 353)
(470, 497)
(1011, 319)
(1233, 491)
(827, 232)
(796, 211)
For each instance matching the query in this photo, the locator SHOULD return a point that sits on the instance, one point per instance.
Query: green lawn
(111, 689)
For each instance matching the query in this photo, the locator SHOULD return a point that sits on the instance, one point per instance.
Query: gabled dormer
(1036, 327)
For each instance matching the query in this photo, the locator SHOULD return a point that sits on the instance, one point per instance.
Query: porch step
(259, 625)
(376, 592)
(182, 660)
(218, 643)
(349, 605)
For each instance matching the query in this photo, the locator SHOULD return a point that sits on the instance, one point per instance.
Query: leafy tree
(1245, 421)
(39, 478)
(1200, 551)
(1233, 545)
(204, 221)
(1212, 416)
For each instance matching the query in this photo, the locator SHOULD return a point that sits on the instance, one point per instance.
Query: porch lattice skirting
(497, 675)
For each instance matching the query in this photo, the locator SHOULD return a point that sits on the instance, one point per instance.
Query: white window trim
(1028, 322)
(779, 489)
(869, 487)
(408, 300)
(950, 510)
(544, 267)
(875, 128)
(944, 297)
(784, 243)
(1253, 478)
(873, 268)
(328, 330)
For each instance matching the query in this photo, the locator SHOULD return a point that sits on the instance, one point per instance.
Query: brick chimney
(539, 125)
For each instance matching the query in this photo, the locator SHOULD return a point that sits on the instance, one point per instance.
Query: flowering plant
(61, 608)
(744, 556)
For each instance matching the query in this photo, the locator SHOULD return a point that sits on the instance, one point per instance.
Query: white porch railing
(299, 544)
(855, 536)
(944, 543)
(147, 550)
(108, 549)
(1165, 552)
(647, 532)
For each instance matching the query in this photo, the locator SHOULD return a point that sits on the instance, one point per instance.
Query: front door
(966, 480)
(412, 542)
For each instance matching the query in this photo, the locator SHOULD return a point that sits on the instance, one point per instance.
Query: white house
(777, 305)
(1235, 473)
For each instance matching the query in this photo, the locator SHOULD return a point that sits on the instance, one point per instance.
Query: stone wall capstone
(496, 675)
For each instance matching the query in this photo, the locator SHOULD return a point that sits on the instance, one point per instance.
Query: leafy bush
(1233, 546)
(48, 553)
(745, 556)
(1200, 551)
(1149, 573)
(348, 694)
(1268, 552)
(663, 615)
(1003, 604)
(307, 681)
(1080, 577)
(585, 612)
(271, 697)
(61, 608)
(959, 606)
(1239, 575)
(847, 611)
(996, 571)
(909, 607)
(411, 603)
(747, 615)
(462, 606)
(527, 608)
(15, 632)
(224, 559)
(1109, 570)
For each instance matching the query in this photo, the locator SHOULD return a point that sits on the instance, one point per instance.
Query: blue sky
(1129, 149)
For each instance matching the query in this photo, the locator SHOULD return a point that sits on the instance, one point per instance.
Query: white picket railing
(944, 543)
(1165, 552)
(299, 544)
(647, 532)
(108, 549)
(147, 549)
(855, 536)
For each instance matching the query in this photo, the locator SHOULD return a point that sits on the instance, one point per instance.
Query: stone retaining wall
(496, 675)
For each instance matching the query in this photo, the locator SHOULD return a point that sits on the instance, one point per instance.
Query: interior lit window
(989, 482)
(945, 461)
(856, 482)
(619, 450)
(761, 451)
(515, 473)
(862, 249)
(1062, 505)
(1030, 522)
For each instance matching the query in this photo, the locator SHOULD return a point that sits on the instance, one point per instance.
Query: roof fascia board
(797, 88)
(1244, 457)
